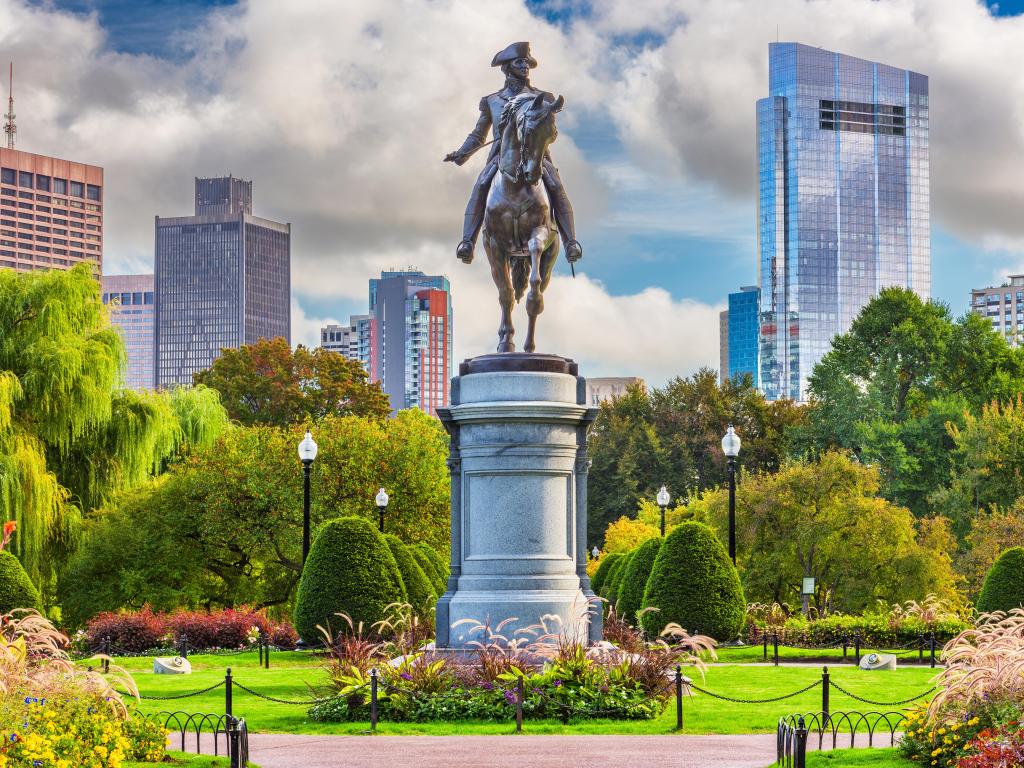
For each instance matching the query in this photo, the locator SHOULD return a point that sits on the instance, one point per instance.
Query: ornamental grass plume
(984, 665)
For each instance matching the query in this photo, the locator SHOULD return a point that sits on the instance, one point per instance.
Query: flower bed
(875, 630)
(142, 631)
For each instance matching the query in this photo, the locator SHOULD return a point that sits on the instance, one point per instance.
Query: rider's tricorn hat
(513, 52)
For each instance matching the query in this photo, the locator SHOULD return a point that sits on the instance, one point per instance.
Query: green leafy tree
(268, 383)
(824, 519)
(693, 584)
(350, 570)
(1004, 585)
(992, 532)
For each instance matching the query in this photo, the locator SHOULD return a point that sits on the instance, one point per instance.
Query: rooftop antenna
(9, 127)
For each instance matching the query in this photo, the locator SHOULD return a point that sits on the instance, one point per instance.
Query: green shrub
(633, 583)
(350, 570)
(611, 587)
(437, 563)
(418, 587)
(16, 588)
(694, 584)
(601, 574)
(613, 571)
(1004, 585)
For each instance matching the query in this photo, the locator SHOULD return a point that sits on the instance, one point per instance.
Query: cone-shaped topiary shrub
(437, 562)
(350, 570)
(694, 584)
(418, 588)
(601, 574)
(634, 581)
(1004, 585)
(16, 588)
(611, 587)
(427, 566)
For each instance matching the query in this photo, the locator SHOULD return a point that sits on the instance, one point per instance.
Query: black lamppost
(663, 500)
(382, 506)
(731, 449)
(307, 452)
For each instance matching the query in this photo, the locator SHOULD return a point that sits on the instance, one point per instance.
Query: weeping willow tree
(69, 436)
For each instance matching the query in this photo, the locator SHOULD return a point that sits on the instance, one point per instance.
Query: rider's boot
(474, 218)
(562, 210)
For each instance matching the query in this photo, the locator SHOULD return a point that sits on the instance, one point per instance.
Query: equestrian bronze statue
(521, 219)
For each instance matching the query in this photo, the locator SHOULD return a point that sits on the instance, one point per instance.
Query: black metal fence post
(920, 647)
(260, 645)
(679, 695)
(520, 694)
(373, 701)
(227, 693)
(933, 648)
(105, 664)
(800, 752)
(183, 646)
(775, 641)
(234, 751)
(764, 638)
(825, 685)
(856, 648)
(846, 643)
(266, 654)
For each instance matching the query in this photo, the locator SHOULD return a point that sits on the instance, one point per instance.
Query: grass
(189, 760)
(855, 758)
(292, 674)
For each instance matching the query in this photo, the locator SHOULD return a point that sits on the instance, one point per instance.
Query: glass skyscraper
(742, 340)
(223, 279)
(129, 299)
(843, 201)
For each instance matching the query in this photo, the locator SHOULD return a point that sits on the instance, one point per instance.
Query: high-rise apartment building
(354, 340)
(843, 201)
(410, 334)
(131, 304)
(1004, 306)
(743, 333)
(51, 212)
(723, 346)
(223, 279)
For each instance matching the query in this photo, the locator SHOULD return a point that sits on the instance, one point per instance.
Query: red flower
(9, 527)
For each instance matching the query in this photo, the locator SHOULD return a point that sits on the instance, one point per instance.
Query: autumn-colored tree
(824, 519)
(268, 383)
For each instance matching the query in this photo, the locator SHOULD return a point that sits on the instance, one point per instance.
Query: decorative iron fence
(794, 732)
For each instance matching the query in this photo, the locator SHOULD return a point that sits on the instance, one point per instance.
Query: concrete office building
(409, 333)
(131, 304)
(1004, 306)
(222, 279)
(602, 389)
(51, 212)
(843, 201)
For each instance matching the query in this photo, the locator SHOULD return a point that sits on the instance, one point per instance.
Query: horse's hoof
(465, 252)
(505, 347)
(530, 347)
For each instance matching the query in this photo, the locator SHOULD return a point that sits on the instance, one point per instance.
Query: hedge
(438, 572)
(611, 586)
(349, 570)
(605, 567)
(876, 631)
(418, 587)
(1004, 585)
(694, 584)
(634, 582)
(16, 588)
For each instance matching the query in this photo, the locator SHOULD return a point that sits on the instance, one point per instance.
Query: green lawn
(188, 760)
(855, 758)
(291, 675)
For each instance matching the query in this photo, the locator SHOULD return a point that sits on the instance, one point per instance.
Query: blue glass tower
(843, 205)
(743, 332)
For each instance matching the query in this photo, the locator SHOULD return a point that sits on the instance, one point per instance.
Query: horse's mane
(514, 107)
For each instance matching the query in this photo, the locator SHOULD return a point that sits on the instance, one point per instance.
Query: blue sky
(653, 212)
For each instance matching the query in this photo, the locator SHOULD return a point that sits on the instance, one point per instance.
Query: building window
(42, 182)
(8, 176)
(24, 179)
(77, 189)
(93, 192)
(60, 186)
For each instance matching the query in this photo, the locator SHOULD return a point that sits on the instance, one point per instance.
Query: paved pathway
(528, 751)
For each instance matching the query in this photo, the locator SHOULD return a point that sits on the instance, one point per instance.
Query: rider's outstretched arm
(476, 138)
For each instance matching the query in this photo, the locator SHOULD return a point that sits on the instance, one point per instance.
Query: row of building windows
(53, 184)
(125, 299)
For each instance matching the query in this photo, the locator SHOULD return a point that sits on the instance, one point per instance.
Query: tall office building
(410, 328)
(1004, 306)
(131, 304)
(51, 212)
(723, 346)
(843, 201)
(743, 333)
(223, 279)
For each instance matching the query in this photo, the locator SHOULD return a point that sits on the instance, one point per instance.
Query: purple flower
(487, 686)
(558, 683)
(406, 676)
(510, 697)
(604, 689)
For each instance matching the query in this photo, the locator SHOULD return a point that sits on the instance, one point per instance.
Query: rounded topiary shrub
(16, 588)
(437, 564)
(611, 587)
(1004, 585)
(603, 569)
(418, 588)
(695, 585)
(350, 570)
(634, 581)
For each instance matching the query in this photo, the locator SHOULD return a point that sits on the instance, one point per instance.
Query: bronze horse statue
(519, 236)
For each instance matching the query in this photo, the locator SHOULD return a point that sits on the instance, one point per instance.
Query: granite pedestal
(518, 426)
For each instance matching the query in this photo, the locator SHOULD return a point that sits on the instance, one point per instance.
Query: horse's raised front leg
(535, 296)
(502, 276)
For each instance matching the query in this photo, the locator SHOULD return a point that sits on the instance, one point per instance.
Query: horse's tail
(520, 275)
